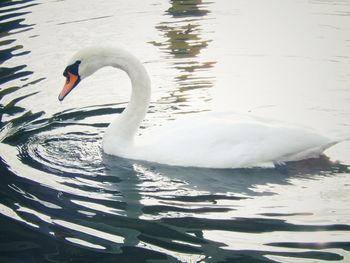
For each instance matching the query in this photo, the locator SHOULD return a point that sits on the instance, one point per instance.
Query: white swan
(211, 140)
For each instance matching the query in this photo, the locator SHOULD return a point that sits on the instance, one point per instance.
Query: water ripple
(78, 153)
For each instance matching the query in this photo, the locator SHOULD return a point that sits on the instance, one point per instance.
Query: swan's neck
(121, 132)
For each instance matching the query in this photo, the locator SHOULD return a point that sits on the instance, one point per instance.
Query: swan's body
(226, 140)
(215, 140)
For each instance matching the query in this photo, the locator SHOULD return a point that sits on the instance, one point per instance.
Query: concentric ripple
(79, 153)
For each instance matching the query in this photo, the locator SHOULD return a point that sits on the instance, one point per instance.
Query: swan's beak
(71, 82)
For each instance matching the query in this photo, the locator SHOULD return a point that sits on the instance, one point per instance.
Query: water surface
(63, 200)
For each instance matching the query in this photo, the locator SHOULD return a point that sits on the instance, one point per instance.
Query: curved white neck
(121, 132)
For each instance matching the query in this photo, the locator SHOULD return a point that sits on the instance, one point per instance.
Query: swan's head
(88, 60)
(71, 73)
(80, 66)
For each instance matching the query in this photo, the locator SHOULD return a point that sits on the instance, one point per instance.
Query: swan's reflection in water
(192, 202)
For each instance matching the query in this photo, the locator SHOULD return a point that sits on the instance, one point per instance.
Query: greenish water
(63, 200)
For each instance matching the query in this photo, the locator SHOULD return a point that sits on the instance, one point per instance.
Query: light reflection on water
(62, 199)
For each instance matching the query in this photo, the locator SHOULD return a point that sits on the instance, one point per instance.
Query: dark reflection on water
(12, 23)
(187, 8)
(184, 41)
(63, 200)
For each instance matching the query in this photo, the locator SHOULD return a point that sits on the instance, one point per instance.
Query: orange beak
(71, 82)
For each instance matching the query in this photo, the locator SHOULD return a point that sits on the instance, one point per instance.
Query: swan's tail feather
(314, 152)
(328, 145)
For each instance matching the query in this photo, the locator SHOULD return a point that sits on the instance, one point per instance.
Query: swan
(208, 139)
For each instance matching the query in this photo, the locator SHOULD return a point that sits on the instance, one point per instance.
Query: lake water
(63, 200)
